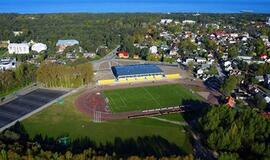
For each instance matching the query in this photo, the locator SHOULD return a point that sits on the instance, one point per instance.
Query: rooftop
(136, 70)
(67, 42)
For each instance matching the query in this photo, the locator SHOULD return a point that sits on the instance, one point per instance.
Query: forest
(65, 76)
(12, 80)
(94, 30)
(236, 134)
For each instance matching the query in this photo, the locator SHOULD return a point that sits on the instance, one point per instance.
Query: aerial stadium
(137, 73)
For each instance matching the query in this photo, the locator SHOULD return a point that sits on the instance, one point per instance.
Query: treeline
(67, 76)
(11, 80)
(15, 144)
(94, 30)
(237, 134)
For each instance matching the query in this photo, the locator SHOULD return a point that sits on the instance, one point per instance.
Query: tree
(233, 51)
(232, 132)
(144, 53)
(210, 44)
(187, 46)
(228, 156)
(229, 85)
(151, 57)
(56, 75)
(213, 70)
(259, 102)
(259, 46)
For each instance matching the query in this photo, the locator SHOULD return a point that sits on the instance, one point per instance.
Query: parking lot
(25, 104)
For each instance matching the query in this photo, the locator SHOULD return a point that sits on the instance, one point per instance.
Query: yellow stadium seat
(131, 79)
(158, 77)
(122, 80)
(140, 78)
(173, 76)
(150, 78)
(106, 81)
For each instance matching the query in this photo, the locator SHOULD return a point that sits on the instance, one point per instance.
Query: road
(110, 56)
(220, 72)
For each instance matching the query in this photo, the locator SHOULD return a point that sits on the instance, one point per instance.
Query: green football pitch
(63, 119)
(143, 98)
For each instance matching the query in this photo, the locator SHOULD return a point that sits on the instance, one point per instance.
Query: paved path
(170, 121)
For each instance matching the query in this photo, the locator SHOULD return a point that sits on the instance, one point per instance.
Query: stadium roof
(136, 70)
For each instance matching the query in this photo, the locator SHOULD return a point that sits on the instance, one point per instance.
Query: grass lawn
(64, 119)
(131, 99)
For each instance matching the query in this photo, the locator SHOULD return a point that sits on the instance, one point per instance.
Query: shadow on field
(141, 146)
(195, 109)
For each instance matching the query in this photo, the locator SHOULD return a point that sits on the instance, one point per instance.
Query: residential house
(267, 80)
(173, 52)
(63, 44)
(199, 73)
(264, 56)
(39, 47)
(4, 44)
(227, 66)
(153, 49)
(259, 78)
(200, 60)
(71, 56)
(7, 63)
(89, 55)
(123, 54)
(230, 102)
(136, 56)
(187, 60)
(17, 33)
(188, 22)
(166, 21)
(268, 21)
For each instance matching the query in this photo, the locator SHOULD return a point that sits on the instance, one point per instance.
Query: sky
(97, 6)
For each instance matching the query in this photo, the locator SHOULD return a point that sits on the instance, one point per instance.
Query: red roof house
(123, 54)
(220, 33)
(263, 56)
(230, 102)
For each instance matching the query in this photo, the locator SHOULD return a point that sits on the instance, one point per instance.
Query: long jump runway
(26, 104)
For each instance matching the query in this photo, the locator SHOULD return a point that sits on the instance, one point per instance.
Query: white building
(166, 21)
(173, 53)
(89, 55)
(200, 60)
(268, 21)
(39, 47)
(188, 22)
(17, 33)
(18, 48)
(153, 49)
(7, 63)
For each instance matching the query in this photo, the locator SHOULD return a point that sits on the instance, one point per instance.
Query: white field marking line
(152, 96)
(170, 121)
(122, 100)
(113, 101)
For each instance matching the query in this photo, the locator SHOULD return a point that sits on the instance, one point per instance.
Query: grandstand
(137, 73)
(134, 71)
